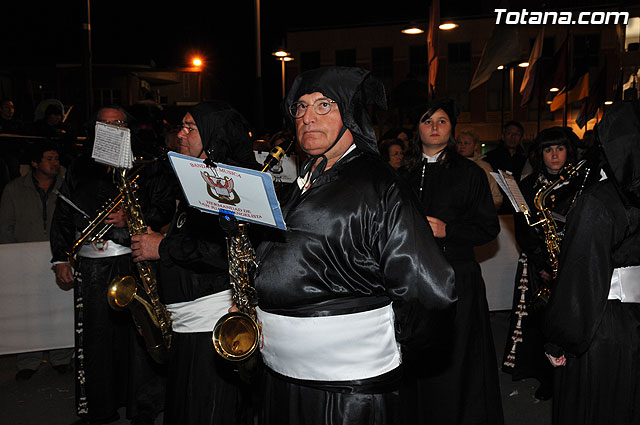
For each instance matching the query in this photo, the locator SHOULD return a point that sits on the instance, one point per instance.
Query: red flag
(595, 99)
(432, 45)
(578, 92)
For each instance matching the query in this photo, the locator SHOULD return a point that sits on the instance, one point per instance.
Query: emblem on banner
(220, 188)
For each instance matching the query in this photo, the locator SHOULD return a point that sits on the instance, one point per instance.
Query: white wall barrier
(35, 314)
(499, 261)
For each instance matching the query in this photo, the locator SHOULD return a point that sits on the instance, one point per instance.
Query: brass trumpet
(94, 231)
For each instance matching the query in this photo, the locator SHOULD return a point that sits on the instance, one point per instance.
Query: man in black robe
(355, 276)
(193, 272)
(593, 318)
(113, 368)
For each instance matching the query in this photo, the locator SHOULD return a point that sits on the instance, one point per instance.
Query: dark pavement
(48, 397)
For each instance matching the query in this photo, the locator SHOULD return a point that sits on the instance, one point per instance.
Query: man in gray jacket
(26, 209)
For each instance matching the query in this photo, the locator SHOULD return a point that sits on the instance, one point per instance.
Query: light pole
(283, 57)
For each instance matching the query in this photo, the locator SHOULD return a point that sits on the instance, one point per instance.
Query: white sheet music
(509, 186)
(112, 146)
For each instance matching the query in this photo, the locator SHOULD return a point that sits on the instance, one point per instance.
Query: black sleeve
(200, 246)
(480, 224)
(63, 224)
(417, 277)
(159, 191)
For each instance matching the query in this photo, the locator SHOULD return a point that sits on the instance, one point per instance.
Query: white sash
(104, 249)
(625, 284)
(199, 315)
(330, 348)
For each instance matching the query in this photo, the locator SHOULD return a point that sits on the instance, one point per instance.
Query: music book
(508, 184)
(112, 146)
(246, 194)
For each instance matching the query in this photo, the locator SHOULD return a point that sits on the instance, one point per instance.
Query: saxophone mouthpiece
(277, 153)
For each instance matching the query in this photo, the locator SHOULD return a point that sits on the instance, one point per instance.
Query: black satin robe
(355, 241)
(202, 388)
(600, 338)
(113, 368)
(530, 360)
(457, 383)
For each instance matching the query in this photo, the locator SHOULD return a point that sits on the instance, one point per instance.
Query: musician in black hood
(593, 318)
(202, 387)
(112, 366)
(355, 276)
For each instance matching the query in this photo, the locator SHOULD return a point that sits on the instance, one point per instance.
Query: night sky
(142, 32)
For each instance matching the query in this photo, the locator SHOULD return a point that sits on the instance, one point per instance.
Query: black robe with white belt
(355, 242)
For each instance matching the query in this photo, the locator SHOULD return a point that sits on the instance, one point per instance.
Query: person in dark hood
(592, 321)
(107, 342)
(554, 150)
(355, 276)
(457, 383)
(202, 387)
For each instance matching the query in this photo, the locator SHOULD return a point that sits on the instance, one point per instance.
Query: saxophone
(236, 334)
(548, 224)
(150, 316)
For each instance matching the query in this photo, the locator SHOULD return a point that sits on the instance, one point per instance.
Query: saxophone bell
(236, 336)
(123, 294)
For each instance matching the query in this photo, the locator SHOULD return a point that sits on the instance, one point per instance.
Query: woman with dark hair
(524, 357)
(457, 382)
(392, 151)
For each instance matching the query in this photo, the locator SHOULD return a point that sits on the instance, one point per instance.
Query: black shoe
(24, 374)
(544, 392)
(61, 368)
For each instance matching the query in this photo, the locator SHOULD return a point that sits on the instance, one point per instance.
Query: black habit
(457, 383)
(355, 241)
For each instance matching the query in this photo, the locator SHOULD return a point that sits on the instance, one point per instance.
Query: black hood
(353, 89)
(225, 134)
(619, 135)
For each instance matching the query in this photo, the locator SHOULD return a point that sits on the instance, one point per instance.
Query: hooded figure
(356, 274)
(592, 321)
(193, 276)
(225, 134)
(618, 133)
(352, 89)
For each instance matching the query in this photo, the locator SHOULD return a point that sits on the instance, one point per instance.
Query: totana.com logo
(583, 18)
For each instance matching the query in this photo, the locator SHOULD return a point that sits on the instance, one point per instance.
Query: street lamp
(197, 63)
(283, 57)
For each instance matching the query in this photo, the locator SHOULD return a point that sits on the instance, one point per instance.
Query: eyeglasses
(321, 107)
(117, 123)
(185, 127)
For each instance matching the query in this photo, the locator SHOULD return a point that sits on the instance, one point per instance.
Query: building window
(382, 62)
(102, 97)
(346, 57)
(586, 53)
(309, 60)
(418, 57)
(497, 86)
(459, 53)
(459, 73)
